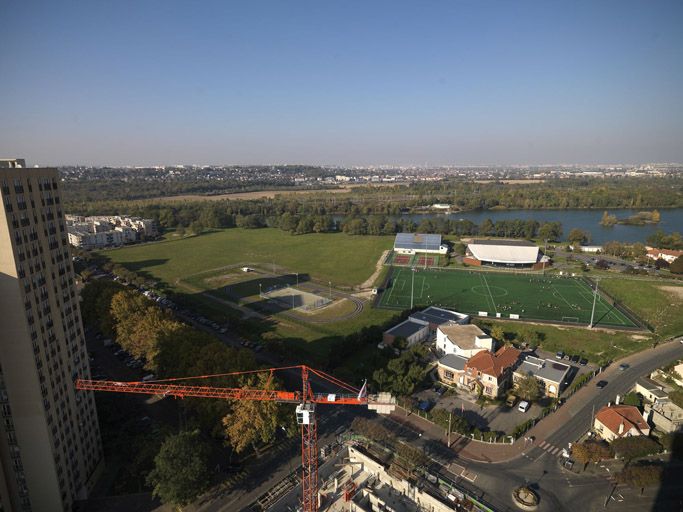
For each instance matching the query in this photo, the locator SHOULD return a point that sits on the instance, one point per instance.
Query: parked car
(601, 384)
(523, 406)
(583, 362)
(575, 359)
(623, 367)
(559, 355)
(511, 401)
(425, 405)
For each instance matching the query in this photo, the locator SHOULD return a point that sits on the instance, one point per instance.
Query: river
(588, 220)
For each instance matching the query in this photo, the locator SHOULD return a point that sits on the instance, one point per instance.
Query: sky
(341, 82)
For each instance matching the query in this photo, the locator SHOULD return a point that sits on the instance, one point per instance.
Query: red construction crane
(305, 410)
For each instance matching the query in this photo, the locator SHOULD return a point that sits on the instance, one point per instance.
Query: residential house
(492, 372)
(667, 255)
(451, 368)
(463, 340)
(650, 390)
(616, 421)
(551, 374)
(665, 416)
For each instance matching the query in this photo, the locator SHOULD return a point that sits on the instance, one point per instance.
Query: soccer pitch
(532, 297)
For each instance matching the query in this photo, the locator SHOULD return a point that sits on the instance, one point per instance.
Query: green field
(343, 259)
(532, 297)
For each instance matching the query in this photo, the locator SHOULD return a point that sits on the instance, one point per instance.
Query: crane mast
(305, 399)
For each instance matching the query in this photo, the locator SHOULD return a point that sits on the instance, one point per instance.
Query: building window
(448, 375)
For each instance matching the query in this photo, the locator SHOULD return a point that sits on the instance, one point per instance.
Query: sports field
(532, 297)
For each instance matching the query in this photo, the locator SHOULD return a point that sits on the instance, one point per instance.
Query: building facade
(50, 448)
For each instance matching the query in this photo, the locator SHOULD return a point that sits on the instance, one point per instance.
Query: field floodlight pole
(595, 297)
(297, 279)
(260, 292)
(412, 286)
(330, 284)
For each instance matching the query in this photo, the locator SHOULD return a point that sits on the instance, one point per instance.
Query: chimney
(621, 428)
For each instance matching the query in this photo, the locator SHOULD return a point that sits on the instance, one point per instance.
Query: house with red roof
(615, 421)
(667, 255)
(490, 371)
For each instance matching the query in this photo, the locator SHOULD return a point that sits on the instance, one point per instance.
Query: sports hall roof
(504, 251)
(417, 241)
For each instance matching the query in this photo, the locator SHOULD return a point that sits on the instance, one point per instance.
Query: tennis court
(531, 297)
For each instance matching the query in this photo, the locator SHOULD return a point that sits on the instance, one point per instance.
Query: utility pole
(595, 297)
(330, 283)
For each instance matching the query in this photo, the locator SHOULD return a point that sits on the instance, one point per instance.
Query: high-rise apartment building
(50, 449)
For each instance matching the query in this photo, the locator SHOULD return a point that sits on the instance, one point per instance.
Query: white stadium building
(507, 253)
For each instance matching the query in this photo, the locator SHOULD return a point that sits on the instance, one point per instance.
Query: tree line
(171, 348)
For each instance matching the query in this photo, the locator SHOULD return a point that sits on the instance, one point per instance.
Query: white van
(523, 406)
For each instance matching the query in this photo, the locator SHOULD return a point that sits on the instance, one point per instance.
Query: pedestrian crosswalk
(553, 450)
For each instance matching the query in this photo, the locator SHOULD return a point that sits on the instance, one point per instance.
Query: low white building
(463, 340)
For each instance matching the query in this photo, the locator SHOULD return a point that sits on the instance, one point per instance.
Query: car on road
(601, 384)
(523, 406)
(623, 367)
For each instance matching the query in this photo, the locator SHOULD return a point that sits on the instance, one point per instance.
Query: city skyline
(449, 83)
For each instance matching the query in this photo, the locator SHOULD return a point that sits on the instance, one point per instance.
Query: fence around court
(638, 325)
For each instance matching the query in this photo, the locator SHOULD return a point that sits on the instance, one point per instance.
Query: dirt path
(378, 268)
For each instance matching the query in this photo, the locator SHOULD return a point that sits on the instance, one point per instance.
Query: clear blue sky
(341, 82)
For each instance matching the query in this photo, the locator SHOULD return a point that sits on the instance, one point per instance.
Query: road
(539, 466)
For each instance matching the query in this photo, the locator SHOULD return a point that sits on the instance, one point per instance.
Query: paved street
(497, 469)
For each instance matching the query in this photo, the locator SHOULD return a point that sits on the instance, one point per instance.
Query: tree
(633, 399)
(661, 263)
(528, 388)
(677, 266)
(608, 220)
(641, 475)
(579, 236)
(498, 333)
(180, 471)
(249, 421)
(635, 446)
(590, 451)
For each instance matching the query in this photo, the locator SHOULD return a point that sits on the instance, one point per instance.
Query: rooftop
(464, 336)
(405, 329)
(652, 387)
(507, 243)
(453, 362)
(504, 251)
(494, 364)
(628, 415)
(438, 316)
(547, 369)
(417, 241)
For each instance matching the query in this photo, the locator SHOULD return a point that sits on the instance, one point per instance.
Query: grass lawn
(531, 296)
(595, 345)
(343, 259)
(659, 303)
